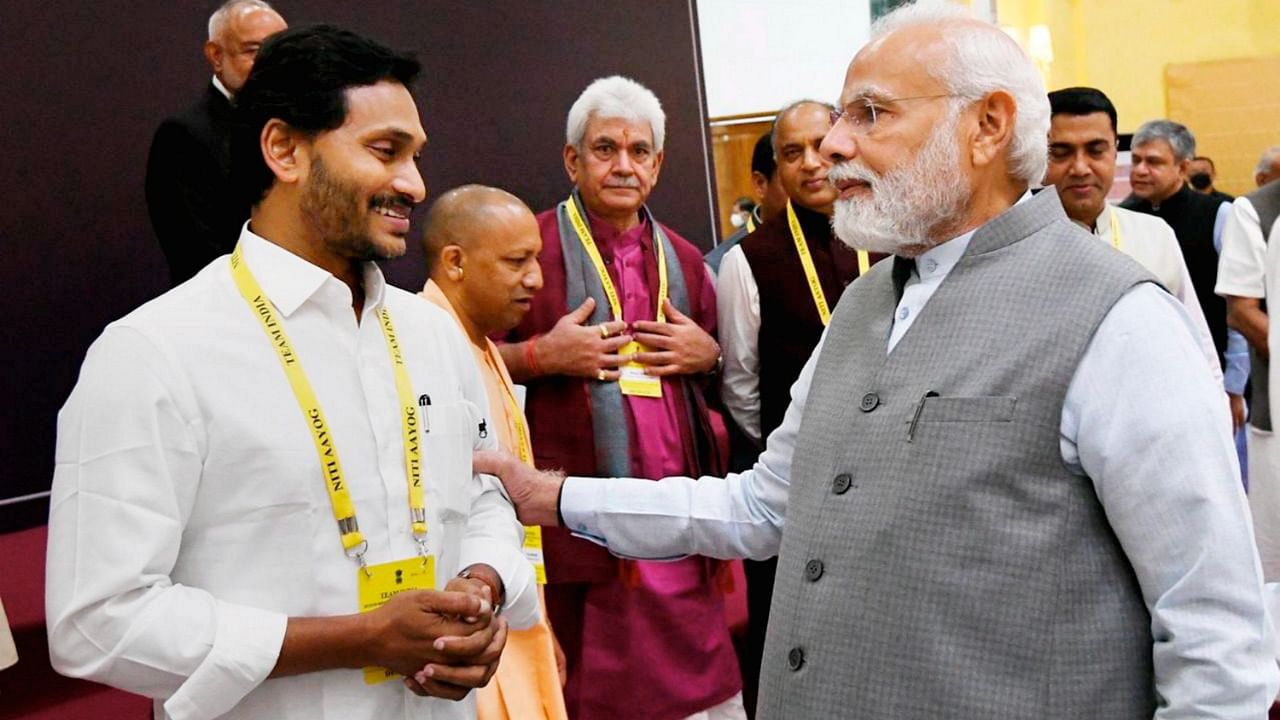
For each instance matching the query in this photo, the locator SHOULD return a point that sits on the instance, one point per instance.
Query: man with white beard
(1006, 479)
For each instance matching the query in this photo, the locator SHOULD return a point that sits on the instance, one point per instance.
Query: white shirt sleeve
(738, 516)
(1242, 262)
(738, 320)
(1150, 429)
(128, 466)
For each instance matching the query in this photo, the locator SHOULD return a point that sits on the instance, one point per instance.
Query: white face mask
(737, 220)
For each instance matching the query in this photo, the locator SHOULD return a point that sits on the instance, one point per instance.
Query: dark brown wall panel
(84, 86)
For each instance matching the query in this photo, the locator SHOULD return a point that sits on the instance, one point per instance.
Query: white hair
(1268, 158)
(983, 59)
(616, 97)
(218, 20)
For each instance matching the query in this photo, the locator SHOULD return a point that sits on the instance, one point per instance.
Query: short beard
(333, 209)
(910, 206)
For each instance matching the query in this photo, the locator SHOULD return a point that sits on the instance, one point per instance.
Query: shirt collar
(289, 281)
(938, 260)
(222, 88)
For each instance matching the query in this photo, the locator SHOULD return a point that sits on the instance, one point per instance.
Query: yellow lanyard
(525, 449)
(1115, 230)
(584, 235)
(344, 510)
(751, 223)
(810, 272)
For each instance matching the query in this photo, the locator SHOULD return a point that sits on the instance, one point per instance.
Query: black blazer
(194, 211)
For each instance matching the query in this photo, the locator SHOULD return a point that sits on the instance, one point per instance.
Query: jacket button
(795, 659)
(841, 484)
(813, 570)
(869, 402)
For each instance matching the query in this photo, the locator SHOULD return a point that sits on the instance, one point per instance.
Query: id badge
(379, 583)
(533, 552)
(634, 381)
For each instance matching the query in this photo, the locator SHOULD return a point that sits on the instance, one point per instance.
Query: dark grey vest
(939, 561)
(1266, 201)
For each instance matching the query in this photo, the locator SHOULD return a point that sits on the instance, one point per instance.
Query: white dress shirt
(738, 328)
(189, 517)
(1143, 419)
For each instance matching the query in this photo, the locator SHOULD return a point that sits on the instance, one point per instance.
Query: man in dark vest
(1246, 277)
(1162, 151)
(195, 211)
(1005, 486)
(617, 351)
(769, 195)
(773, 303)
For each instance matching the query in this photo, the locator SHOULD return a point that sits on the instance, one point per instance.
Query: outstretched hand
(535, 493)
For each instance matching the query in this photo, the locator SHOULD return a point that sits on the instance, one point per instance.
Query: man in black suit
(194, 209)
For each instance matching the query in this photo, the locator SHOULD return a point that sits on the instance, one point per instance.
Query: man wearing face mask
(1202, 175)
(195, 211)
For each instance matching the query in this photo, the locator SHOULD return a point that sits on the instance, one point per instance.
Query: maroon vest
(559, 408)
(790, 326)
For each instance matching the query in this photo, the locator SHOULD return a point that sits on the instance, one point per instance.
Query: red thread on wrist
(530, 359)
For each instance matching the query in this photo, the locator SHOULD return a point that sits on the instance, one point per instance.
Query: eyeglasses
(862, 114)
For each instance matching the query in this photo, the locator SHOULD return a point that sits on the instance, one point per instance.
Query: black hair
(1082, 101)
(762, 157)
(1207, 159)
(301, 76)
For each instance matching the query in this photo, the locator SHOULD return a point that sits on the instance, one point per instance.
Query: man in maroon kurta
(642, 639)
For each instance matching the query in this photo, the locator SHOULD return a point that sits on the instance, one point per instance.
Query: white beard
(907, 205)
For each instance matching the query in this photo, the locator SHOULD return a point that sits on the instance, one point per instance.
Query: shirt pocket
(451, 431)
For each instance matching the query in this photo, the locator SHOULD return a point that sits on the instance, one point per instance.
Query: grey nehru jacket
(940, 561)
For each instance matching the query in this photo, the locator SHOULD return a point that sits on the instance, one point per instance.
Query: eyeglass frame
(859, 127)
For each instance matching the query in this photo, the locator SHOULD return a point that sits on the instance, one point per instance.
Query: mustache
(393, 201)
(849, 170)
(624, 181)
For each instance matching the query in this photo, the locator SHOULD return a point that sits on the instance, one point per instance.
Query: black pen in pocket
(424, 402)
(915, 417)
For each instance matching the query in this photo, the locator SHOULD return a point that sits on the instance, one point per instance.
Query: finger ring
(604, 332)
(600, 375)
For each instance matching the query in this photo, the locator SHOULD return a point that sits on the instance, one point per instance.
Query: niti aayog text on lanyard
(634, 381)
(810, 272)
(344, 511)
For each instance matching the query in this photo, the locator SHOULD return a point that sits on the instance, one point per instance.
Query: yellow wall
(1123, 46)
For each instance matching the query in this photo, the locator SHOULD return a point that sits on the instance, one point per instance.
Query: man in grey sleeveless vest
(1006, 477)
(1247, 274)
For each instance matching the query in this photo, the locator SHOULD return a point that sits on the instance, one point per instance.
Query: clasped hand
(444, 643)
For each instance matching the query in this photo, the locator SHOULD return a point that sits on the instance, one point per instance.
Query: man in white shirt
(1247, 274)
(1082, 167)
(1006, 387)
(263, 478)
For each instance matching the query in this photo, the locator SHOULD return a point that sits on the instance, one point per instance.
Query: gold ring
(604, 332)
(600, 375)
